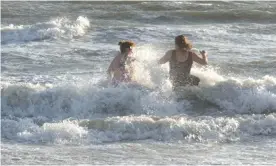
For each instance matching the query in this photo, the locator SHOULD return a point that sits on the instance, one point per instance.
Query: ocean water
(58, 108)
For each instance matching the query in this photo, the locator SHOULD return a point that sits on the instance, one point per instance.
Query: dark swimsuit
(180, 72)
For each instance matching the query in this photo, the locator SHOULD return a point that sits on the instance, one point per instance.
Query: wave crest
(58, 28)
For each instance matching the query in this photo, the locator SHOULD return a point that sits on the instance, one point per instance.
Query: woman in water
(181, 59)
(120, 69)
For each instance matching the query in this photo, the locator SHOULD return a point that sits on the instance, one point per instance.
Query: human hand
(203, 53)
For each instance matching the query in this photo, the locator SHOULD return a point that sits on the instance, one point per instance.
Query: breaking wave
(57, 28)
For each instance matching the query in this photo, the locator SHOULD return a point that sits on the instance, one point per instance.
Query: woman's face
(129, 50)
(177, 47)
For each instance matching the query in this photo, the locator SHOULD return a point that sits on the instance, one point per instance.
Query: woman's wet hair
(125, 44)
(182, 42)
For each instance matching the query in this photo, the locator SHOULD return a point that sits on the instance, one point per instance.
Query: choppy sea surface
(58, 108)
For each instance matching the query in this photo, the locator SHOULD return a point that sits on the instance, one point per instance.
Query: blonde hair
(182, 42)
(124, 44)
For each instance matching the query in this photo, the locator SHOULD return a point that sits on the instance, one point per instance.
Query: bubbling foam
(58, 28)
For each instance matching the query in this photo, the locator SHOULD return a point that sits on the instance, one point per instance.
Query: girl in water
(181, 59)
(120, 69)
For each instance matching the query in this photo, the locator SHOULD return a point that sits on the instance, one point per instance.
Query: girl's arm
(166, 57)
(201, 60)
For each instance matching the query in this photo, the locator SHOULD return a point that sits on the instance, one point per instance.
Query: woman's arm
(201, 60)
(166, 57)
(113, 65)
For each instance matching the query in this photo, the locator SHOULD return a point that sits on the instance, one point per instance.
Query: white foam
(60, 27)
(214, 129)
(259, 124)
(25, 129)
(112, 129)
(242, 95)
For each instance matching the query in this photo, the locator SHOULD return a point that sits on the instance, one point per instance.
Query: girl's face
(129, 50)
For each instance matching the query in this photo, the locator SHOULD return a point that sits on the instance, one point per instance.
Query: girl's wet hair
(182, 42)
(125, 44)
